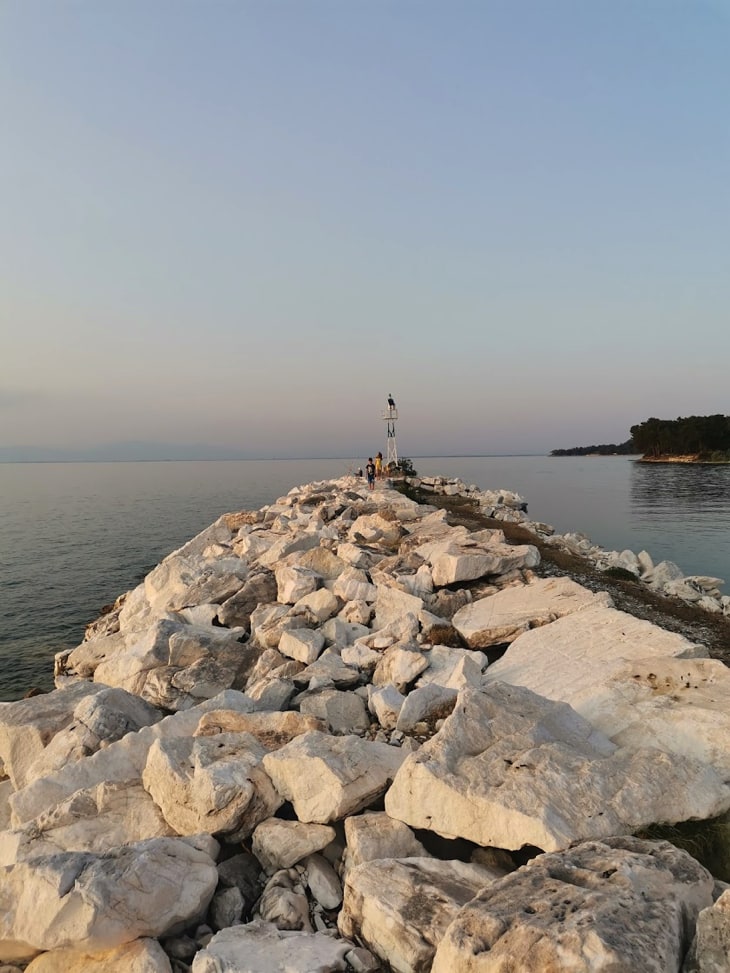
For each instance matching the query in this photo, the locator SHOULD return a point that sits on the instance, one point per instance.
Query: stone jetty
(340, 733)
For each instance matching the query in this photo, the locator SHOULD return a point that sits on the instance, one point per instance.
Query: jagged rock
(96, 820)
(302, 644)
(120, 762)
(226, 907)
(28, 726)
(510, 769)
(326, 778)
(343, 712)
(593, 644)
(294, 581)
(280, 844)
(622, 905)
(503, 616)
(401, 909)
(385, 703)
(213, 784)
(261, 946)
(183, 580)
(354, 585)
(272, 730)
(320, 605)
(376, 835)
(141, 956)
(453, 668)
(399, 666)
(100, 902)
(710, 951)
(392, 605)
(259, 589)
(284, 903)
(489, 555)
(323, 883)
(427, 704)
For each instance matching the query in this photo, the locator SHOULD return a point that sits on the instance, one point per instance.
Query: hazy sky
(245, 223)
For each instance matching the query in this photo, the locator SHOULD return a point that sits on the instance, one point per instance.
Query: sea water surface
(74, 536)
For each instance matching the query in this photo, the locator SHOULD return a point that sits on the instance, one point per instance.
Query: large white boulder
(28, 726)
(259, 946)
(100, 902)
(622, 905)
(212, 784)
(401, 909)
(503, 616)
(561, 659)
(326, 778)
(510, 769)
(140, 956)
(455, 564)
(95, 819)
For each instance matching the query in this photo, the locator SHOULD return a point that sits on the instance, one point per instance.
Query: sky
(245, 224)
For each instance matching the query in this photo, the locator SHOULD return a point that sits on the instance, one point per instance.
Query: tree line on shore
(705, 438)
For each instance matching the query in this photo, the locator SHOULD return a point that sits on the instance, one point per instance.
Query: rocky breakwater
(664, 578)
(287, 749)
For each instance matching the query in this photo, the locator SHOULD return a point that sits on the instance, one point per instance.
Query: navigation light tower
(389, 417)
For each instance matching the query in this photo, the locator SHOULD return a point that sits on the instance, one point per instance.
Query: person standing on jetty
(370, 472)
(379, 465)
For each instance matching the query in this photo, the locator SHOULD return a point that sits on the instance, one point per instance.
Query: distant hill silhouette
(605, 449)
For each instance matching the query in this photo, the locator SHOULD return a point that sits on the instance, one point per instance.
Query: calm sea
(73, 536)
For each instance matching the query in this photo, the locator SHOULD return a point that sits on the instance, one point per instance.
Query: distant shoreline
(687, 460)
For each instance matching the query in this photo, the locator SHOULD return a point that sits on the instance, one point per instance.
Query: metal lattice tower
(389, 417)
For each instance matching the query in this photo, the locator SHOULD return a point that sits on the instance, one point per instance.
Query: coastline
(312, 716)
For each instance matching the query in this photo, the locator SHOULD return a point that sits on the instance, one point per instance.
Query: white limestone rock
(327, 778)
(455, 564)
(28, 726)
(122, 761)
(284, 902)
(294, 581)
(622, 904)
(710, 950)
(354, 585)
(453, 668)
(272, 730)
(400, 909)
(98, 719)
(140, 956)
(391, 605)
(302, 644)
(342, 632)
(679, 706)
(181, 581)
(343, 712)
(259, 946)
(321, 604)
(97, 902)
(503, 616)
(96, 819)
(426, 704)
(385, 704)
(399, 666)
(212, 784)
(577, 658)
(280, 844)
(323, 883)
(374, 834)
(510, 769)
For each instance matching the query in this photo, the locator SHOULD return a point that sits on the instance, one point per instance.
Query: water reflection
(658, 487)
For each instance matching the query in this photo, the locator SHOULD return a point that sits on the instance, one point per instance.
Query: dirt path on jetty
(633, 597)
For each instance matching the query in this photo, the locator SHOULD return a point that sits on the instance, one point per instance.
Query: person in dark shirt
(370, 472)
